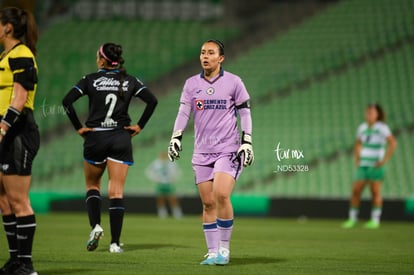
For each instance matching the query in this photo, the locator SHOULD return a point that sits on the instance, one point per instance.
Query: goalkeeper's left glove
(246, 149)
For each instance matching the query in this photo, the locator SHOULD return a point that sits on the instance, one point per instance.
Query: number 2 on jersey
(109, 122)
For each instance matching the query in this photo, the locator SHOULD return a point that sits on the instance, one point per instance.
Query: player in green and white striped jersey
(371, 153)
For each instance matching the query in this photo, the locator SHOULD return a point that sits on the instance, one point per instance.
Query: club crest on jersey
(210, 104)
(199, 104)
(210, 91)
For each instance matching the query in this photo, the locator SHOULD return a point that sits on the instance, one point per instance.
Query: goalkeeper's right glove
(175, 148)
(246, 150)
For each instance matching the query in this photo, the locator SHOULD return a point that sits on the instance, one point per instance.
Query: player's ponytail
(122, 70)
(112, 53)
(24, 25)
(31, 34)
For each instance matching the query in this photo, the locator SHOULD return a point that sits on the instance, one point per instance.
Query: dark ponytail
(32, 34)
(24, 25)
(112, 53)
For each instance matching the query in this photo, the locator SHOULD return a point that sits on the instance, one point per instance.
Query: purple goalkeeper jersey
(213, 104)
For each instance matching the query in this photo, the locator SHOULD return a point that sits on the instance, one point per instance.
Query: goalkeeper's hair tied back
(112, 53)
(219, 44)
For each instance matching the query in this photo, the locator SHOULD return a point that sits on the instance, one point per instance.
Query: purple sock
(225, 228)
(212, 236)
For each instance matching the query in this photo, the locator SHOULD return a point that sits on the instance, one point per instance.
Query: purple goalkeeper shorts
(206, 164)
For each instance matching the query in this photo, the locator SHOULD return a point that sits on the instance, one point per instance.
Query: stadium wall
(248, 205)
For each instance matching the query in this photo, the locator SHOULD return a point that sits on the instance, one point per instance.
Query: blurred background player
(19, 135)
(215, 97)
(108, 135)
(165, 173)
(373, 136)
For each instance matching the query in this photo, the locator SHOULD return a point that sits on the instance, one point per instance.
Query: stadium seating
(309, 87)
(322, 120)
(151, 48)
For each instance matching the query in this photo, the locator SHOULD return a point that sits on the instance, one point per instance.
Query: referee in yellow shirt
(19, 135)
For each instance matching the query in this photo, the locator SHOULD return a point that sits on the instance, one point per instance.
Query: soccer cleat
(25, 269)
(94, 237)
(372, 225)
(115, 248)
(349, 224)
(223, 256)
(10, 266)
(210, 259)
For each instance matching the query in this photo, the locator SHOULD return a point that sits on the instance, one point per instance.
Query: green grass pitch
(259, 246)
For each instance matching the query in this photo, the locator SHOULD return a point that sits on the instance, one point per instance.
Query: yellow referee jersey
(18, 65)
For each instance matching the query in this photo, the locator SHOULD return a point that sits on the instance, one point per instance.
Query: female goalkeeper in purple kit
(216, 98)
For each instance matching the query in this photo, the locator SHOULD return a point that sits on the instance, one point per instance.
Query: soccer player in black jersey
(19, 135)
(107, 134)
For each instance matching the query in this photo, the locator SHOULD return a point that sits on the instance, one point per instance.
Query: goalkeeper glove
(175, 146)
(246, 149)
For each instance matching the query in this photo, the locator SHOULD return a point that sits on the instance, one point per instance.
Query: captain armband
(245, 104)
(11, 116)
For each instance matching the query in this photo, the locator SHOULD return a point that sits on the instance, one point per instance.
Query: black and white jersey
(108, 102)
(109, 93)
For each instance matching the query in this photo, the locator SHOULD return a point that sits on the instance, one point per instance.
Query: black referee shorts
(20, 145)
(114, 145)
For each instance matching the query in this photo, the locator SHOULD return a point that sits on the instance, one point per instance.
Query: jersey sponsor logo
(210, 91)
(199, 103)
(210, 104)
(109, 84)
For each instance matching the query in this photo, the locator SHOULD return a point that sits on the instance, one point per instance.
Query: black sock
(93, 203)
(9, 223)
(116, 217)
(26, 227)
